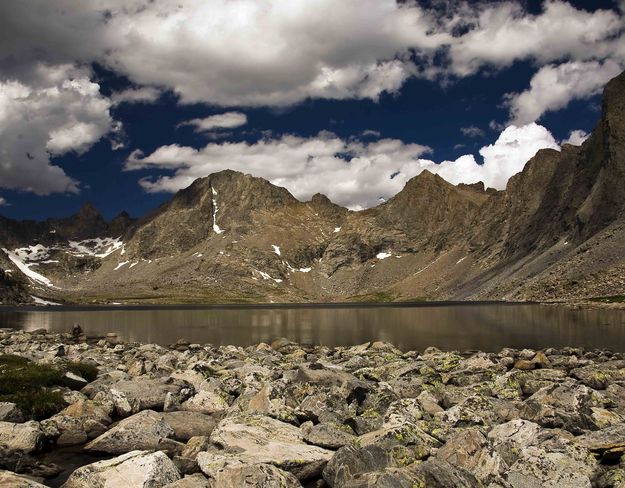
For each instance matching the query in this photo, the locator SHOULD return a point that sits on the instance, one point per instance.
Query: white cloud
(277, 52)
(228, 120)
(352, 173)
(501, 160)
(3, 202)
(303, 165)
(60, 111)
(554, 86)
(472, 131)
(144, 94)
(576, 137)
(504, 32)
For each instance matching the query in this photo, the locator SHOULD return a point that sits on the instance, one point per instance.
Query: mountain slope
(556, 232)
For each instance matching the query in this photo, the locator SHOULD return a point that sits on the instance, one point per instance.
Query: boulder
(328, 435)
(536, 467)
(26, 438)
(189, 424)
(350, 462)
(259, 439)
(135, 469)
(560, 406)
(227, 472)
(328, 376)
(140, 393)
(197, 480)
(71, 431)
(88, 409)
(12, 480)
(600, 376)
(608, 442)
(471, 450)
(436, 473)
(205, 401)
(144, 430)
(10, 413)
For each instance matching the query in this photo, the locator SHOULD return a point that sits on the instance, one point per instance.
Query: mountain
(557, 232)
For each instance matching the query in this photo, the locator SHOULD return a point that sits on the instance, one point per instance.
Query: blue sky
(105, 103)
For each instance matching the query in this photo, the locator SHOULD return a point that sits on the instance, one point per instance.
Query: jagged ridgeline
(556, 232)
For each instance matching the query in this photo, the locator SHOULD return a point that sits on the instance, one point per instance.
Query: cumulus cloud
(351, 172)
(554, 86)
(506, 157)
(576, 137)
(144, 94)
(472, 131)
(500, 33)
(276, 53)
(279, 54)
(3, 202)
(228, 120)
(60, 111)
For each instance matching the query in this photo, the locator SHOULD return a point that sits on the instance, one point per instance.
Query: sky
(123, 102)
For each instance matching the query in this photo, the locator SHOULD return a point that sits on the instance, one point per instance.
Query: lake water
(487, 327)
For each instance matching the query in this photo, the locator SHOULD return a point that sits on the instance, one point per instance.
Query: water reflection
(486, 327)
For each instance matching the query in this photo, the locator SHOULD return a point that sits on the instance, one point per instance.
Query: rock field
(290, 415)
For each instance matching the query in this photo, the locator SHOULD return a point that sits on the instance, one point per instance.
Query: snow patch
(460, 260)
(267, 276)
(276, 249)
(337, 230)
(99, 247)
(133, 264)
(215, 210)
(32, 253)
(383, 255)
(430, 264)
(24, 268)
(124, 263)
(41, 301)
(305, 270)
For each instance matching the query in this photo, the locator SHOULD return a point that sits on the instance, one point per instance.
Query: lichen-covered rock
(135, 469)
(259, 439)
(608, 442)
(189, 424)
(328, 435)
(536, 467)
(144, 430)
(350, 462)
(471, 450)
(205, 401)
(26, 438)
(231, 472)
(12, 480)
(566, 406)
(9, 412)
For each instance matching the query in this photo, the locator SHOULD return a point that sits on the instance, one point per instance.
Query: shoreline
(574, 304)
(293, 415)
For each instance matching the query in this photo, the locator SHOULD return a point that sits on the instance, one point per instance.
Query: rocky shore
(289, 415)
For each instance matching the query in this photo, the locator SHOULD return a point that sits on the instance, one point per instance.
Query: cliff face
(556, 232)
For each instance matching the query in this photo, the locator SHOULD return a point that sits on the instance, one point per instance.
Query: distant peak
(479, 186)
(88, 210)
(320, 199)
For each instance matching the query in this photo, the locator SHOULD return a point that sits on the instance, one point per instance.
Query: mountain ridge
(554, 233)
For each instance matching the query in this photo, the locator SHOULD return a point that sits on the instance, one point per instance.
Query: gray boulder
(135, 469)
(263, 440)
(12, 480)
(26, 438)
(144, 430)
